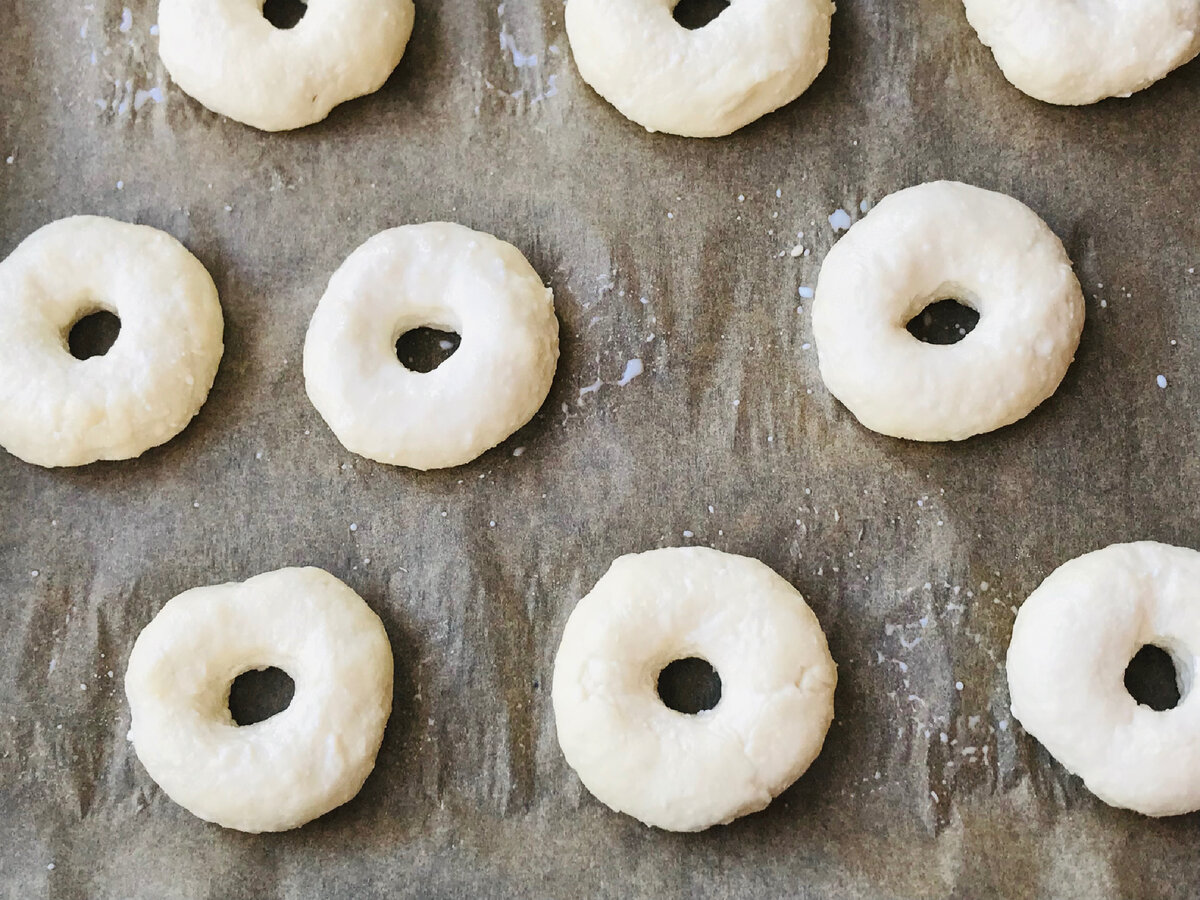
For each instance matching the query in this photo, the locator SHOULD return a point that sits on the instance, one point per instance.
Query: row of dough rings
(759, 55)
(667, 768)
(1071, 643)
(670, 769)
(56, 410)
(916, 247)
(755, 57)
(228, 56)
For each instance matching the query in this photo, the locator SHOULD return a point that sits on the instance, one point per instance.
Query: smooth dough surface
(937, 241)
(298, 764)
(226, 54)
(443, 276)
(688, 772)
(56, 410)
(1072, 641)
(1074, 53)
(755, 57)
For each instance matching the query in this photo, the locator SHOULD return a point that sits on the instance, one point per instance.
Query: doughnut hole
(1153, 678)
(689, 686)
(284, 14)
(694, 14)
(258, 694)
(93, 334)
(424, 349)
(943, 322)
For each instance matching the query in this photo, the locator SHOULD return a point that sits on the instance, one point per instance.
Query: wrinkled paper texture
(676, 253)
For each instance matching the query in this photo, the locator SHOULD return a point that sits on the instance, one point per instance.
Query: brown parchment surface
(661, 249)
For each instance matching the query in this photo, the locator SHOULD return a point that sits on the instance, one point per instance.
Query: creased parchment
(674, 253)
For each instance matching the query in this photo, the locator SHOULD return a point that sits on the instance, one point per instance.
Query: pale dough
(294, 766)
(937, 241)
(443, 276)
(228, 56)
(1073, 53)
(1071, 643)
(56, 410)
(687, 772)
(755, 57)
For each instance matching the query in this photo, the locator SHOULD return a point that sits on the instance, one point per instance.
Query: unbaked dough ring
(225, 54)
(937, 241)
(1073, 53)
(294, 766)
(56, 410)
(443, 276)
(755, 57)
(1071, 643)
(688, 772)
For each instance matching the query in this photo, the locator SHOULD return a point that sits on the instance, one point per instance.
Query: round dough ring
(298, 764)
(937, 241)
(225, 54)
(1071, 643)
(443, 276)
(1072, 53)
(688, 772)
(56, 410)
(755, 57)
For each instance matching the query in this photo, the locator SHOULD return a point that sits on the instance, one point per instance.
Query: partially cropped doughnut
(294, 766)
(933, 242)
(226, 54)
(1073, 53)
(57, 410)
(755, 57)
(440, 276)
(669, 769)
(1071, 644)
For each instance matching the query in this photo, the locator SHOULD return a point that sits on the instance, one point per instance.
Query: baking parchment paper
(673, 252)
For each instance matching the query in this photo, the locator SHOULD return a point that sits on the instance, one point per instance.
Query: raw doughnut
(298, 764)
(1071, 643)
(1073, 53)
(755, 57)
(450, 278)
(56, 410)
(933, 242)
(230, 58)
(687, 772)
